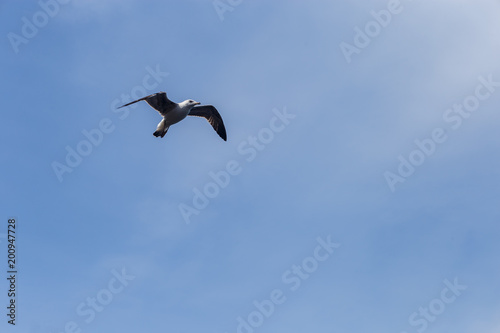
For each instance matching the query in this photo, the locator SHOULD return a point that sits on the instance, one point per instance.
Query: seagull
(173, 112)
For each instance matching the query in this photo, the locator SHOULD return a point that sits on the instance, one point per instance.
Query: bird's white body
(178, 113)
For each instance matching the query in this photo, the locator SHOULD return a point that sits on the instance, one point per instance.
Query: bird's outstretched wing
(211, 114)
(158, 101)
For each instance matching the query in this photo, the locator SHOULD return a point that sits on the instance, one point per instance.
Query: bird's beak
(197, 103)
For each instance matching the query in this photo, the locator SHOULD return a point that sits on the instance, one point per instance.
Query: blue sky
(307, 226)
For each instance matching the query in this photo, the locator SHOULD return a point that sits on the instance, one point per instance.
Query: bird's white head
(190, 103)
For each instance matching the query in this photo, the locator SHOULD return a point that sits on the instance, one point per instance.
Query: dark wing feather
(158, 101)
(211, 114)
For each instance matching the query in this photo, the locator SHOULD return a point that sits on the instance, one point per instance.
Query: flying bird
(173, 112)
